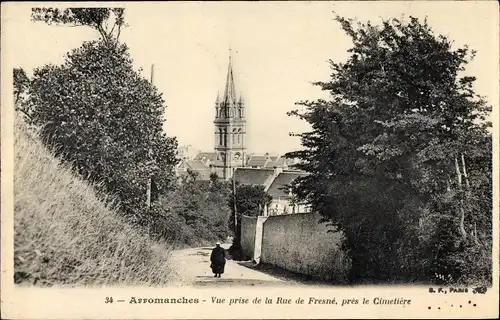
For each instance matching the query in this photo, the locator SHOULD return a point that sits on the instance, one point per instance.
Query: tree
(105, 119)
(107, 21)
(250, 201)
(196, 212)
(199, 212)
(21, 84)
(385, 153)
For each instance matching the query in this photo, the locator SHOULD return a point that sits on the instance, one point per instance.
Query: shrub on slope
(66, 235)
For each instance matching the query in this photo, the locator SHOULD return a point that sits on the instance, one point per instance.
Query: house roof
(182, 165)
(249, 176)
(253, 160)
(257, 161)
(208, 155)
(280, 184)
(276, 162)
(202, 175)
(197, 166)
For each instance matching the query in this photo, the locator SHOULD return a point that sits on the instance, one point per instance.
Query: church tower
(230, 129)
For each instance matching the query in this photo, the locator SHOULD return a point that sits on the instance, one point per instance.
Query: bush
(194, 213)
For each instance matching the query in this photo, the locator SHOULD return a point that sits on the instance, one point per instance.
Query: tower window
(235, 136)
(220, 137)
(240, 114)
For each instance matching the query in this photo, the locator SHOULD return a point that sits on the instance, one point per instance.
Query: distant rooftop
(257, 161)
(279, 187)
(198, 166)
(253, 176)
(211, 157)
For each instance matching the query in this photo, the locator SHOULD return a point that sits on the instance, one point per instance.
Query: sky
(279, 48)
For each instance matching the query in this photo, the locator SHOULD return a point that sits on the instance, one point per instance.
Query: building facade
(282, 195)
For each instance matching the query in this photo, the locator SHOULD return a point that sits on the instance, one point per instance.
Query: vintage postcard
(249, 160)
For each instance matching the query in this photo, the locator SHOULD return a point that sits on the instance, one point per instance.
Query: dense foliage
(20, 84)
(201, 212)
(251, 201)
(194, 213)
(400, 157)
(107, 120)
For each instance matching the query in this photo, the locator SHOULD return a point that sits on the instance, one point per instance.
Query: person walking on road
(218, 260)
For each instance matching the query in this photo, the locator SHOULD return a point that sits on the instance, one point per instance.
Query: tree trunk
(467, 194)
(465, 173)
(461, 227)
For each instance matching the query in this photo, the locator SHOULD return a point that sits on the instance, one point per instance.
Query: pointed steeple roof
(230, 91)
(217, 100)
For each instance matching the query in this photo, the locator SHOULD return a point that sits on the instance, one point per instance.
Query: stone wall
(248, 231)
(299, 243)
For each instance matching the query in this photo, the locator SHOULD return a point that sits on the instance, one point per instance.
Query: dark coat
(218, 260)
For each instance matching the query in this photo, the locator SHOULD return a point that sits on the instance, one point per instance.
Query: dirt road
(193, 269)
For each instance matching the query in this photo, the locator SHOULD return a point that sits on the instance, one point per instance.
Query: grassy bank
(66, 235)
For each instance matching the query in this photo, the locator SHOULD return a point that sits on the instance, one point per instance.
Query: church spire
(230, 91)
(230, 128)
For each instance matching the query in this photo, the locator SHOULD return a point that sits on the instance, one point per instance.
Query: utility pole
(148, 192)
